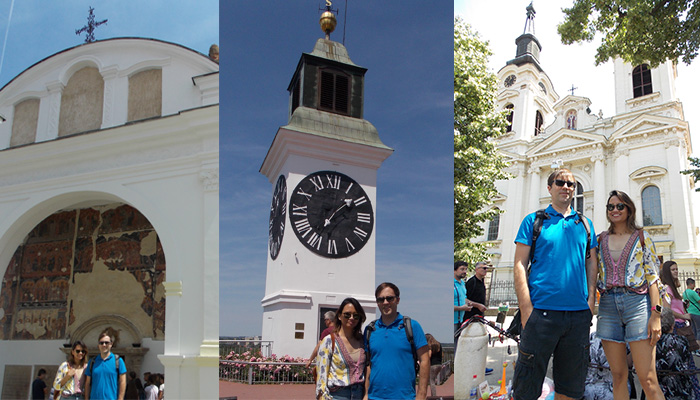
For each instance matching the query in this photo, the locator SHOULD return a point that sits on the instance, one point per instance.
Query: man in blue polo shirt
(102, 381)
(460, 296)
(391, 374)
(557, 299)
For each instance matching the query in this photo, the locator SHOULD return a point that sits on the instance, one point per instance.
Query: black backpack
(515, 325)
(409, 335)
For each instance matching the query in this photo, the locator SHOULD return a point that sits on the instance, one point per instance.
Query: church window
(24, 122)
(509, 117)
(641, 80)
(81, 102)
(296, 95)
(577, 201)
(145, 95)
(571, 119)
(539, 121)
(493, 227)
(651, 206)
(334, 92)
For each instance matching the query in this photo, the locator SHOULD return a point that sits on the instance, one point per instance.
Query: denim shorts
(352, 392)
(563, 334)
(623, 316)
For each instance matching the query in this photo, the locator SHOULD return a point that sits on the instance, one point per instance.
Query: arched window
(641, 80)
(24, 122)
(509, 107)
(539, 121)
(81, 102)
(577, 201)
(571, 119)
(651, 206)
(145, 95)
(493, 227)
(334, 91)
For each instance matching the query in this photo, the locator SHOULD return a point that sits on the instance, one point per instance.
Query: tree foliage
(638, 31)
(477, 164)
(694, 172)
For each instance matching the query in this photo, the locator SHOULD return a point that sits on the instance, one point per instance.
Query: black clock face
(510, 80)
(331, 214)
(278, 215)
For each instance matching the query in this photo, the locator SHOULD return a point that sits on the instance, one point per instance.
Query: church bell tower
(323, 167)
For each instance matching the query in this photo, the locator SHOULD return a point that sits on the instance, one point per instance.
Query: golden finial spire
(328, 21)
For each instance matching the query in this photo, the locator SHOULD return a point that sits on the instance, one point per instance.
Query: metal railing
(264, 372)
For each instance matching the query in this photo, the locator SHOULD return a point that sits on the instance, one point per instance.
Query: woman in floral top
(628, 282)
(70, 380)
(341, 357)
(672, 355)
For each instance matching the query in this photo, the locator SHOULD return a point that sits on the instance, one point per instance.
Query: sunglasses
(105, 343)
(560, 183)
(80, 351)
(389, 299)
(348, 315)
(619, 206)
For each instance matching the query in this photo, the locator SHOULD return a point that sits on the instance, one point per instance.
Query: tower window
(571, 119)
(493, 227)
(641, 80)
(296, 93)
(509, 117)
(334, 92)
(539, 121)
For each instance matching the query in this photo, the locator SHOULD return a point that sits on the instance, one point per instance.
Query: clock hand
(346, 203)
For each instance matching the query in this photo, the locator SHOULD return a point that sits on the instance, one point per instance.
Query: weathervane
(328, 21)
(90, 27)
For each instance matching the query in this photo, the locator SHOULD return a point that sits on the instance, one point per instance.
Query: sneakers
(489, 371)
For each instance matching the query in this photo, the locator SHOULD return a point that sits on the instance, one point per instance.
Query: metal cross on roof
(90, 27)
(572, 89)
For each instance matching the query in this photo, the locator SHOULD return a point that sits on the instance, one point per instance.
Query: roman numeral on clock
(363, 217)
(303, 226)
(299, 210)
(360, 200)
(332, 249)
(333, 181)
(303, 193)
(315, 240)
(318, 182)
(349, 245)
(360, 233)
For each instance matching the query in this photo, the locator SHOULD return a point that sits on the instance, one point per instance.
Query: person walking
(557, 298)
(435, 354)
(693, 299)
(629, 312)
(39, 388)
(461, 304)
(69, 383)
(341, 356)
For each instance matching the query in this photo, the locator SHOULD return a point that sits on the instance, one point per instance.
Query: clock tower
(323, 168)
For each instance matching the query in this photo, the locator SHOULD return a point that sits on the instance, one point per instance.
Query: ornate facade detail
(658, 230)
(210, 179)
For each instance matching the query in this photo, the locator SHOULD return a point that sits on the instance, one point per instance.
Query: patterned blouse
(70, 387)
(343, 370)
(636, 269)
(672, 354)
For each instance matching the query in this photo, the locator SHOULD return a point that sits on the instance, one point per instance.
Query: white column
(677, 204)
(535, 188)
(621, 173)
(108, 103)
(49, 113)
(600, 192)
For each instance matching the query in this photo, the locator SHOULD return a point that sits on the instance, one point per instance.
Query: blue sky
(40, 28)
(407, 49)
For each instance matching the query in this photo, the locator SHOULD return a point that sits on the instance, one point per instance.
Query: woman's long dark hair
(631, 211)
(668, 280)
(433, 343)
(71, 359)
(357, 330)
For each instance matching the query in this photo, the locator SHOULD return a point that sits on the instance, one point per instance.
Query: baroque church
(641, 150)
(109, 212)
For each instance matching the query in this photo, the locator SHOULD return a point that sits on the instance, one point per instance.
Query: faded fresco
(79, 264)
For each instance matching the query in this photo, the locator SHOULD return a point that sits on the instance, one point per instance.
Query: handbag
(687, 332)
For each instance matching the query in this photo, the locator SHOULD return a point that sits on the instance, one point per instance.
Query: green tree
(477, 123)
(638, 31)
(694, 172)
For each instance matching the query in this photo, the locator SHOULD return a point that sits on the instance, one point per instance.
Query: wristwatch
(657, 308)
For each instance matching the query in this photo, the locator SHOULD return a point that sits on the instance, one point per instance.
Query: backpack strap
(409, 335)
(587, 226)
(368, 332)
(540, 216)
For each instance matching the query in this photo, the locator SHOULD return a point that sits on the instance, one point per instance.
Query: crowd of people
(642, 321)
(102, 377)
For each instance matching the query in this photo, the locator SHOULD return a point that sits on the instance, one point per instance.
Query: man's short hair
(480, 263)
(385, 285)
(558, 172)
(690, 281)
(41, 372)
(329, 315)
(459, 264)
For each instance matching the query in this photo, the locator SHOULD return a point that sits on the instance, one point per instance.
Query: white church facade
(109, 212)
(640, 150)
